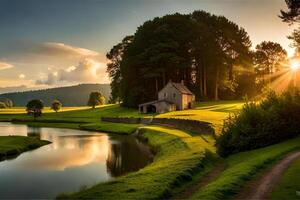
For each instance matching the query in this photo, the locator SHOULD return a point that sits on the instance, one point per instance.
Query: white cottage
(174, 96)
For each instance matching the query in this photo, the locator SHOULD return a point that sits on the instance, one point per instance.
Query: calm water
(73, 160)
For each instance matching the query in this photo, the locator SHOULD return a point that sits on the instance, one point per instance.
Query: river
(75, 159)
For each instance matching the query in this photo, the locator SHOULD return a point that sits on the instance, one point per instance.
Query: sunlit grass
(179, 155)
(212, 112)
(242, 167)
(22, 110)
(14, 145)
(289, 187)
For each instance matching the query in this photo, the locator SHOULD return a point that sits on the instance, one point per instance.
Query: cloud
(4, 65)
(22, 76)
(18, 88)
(87, 71)
(61, 49)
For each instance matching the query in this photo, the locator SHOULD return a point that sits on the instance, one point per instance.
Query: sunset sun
(295, 65)
(140, 99)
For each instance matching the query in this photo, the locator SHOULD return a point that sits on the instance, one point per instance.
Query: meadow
(191, 155)
(15, 145)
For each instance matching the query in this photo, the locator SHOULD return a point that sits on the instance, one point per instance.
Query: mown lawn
(242, 167)
(214, 112)
(84, 118)
(89, 119)
(14, 145)
(289, 187)
(22, 110)
(179, 156)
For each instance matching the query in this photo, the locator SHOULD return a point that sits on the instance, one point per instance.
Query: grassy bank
(242, 167)
(89, 119)
(213, 112)
(14, 145)
(179, 156)
(77, 118)
(289, 187)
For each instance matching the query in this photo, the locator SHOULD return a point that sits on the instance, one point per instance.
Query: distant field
(213, 112)
(22, 110)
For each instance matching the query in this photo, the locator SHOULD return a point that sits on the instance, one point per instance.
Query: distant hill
(69, 96)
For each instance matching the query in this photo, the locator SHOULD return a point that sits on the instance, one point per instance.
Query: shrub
(56, 105)
(257, 125)
(2, 105)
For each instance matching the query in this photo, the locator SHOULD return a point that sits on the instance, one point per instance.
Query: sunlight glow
(295, 65)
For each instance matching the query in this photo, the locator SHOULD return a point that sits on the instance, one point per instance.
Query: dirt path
(261, 187)
(207, 178)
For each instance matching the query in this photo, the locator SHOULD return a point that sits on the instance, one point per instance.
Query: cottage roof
(182, 88)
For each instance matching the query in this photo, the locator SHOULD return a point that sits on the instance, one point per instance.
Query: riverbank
(179, 157)
(182, 157)
(12, 146)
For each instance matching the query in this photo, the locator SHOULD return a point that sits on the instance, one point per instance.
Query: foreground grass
(179, 155)
(289, 187)
(242, 167)
(14, 145)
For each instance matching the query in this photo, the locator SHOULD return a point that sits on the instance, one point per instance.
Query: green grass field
(22, 110)
(213, 112)
(89, 119)
(242, 167)
(179, 156)
(289, 187)
(14, 145)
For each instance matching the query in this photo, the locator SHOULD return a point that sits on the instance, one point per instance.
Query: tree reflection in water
(127, 155)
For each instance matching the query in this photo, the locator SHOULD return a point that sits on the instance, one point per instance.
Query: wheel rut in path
(203, 181)
(261, 187)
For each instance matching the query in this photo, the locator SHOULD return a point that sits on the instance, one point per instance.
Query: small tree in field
(2, 105)
(56, 105)
(96, 99)
(34, 107)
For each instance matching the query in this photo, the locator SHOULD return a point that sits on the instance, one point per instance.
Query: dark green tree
(115, 55)
(56, 105)
(35, 107)
(269, 58)
(96, 99)
(200, 48)
(293, 13)
(295, 38)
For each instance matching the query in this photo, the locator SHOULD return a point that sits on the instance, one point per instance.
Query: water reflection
(75, 158)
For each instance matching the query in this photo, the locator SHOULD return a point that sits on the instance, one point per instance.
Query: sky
(63, 42)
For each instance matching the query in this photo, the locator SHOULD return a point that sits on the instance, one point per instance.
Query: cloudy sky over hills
(64, 42)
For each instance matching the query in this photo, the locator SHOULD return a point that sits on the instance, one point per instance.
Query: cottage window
(174, 95)
(165, 95)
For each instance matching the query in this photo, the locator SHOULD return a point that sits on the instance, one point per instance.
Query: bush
(275, 119)
(7, 102)
(2, 105)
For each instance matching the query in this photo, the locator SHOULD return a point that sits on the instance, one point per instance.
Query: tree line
(76, 95)
(210, 53)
